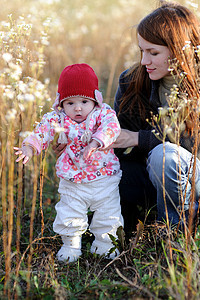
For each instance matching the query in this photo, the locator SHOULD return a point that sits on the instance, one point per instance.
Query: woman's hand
(59, 148)
(25, 153)
(126, 139)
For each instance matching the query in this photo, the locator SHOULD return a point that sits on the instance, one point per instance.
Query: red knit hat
(78, 80)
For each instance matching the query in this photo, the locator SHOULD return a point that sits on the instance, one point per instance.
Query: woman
(158, 169)
(168, 39)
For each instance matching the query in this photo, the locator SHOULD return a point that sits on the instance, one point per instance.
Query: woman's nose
(145, 59)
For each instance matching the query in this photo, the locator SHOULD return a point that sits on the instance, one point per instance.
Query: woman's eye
(154, 53)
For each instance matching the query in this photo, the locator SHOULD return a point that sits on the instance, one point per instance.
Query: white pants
(101, 196)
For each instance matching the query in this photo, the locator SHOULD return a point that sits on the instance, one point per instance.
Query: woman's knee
(163, 158)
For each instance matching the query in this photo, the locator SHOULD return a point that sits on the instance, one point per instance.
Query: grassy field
(37, 40)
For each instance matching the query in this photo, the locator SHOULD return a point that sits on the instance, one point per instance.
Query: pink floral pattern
(104, 127)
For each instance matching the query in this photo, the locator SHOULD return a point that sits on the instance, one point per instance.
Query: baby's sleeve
(108, 126)
(43, 133)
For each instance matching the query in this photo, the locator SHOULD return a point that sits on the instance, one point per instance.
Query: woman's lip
(149, 70)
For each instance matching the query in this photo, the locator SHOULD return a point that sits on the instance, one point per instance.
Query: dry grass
(36, 42)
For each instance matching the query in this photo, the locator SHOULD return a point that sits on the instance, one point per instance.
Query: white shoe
(104, 249)
(70, 250)
(112, 255)
(66, 254)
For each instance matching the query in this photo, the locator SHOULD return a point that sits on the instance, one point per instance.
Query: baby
(89, 173)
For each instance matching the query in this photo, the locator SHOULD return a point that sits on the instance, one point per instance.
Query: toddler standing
(89, 175)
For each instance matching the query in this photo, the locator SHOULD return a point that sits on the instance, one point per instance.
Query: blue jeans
(178, 180)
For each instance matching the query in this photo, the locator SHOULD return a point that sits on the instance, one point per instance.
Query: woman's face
(155, 58)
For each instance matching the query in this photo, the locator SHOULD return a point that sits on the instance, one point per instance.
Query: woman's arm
(126, 139)
(137, 131)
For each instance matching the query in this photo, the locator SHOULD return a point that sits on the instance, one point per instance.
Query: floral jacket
(103, 126)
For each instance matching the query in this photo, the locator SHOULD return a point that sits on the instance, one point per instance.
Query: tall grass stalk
(42, 163)
(165, 202)
(4, 206)
(20, 174)
(10, 201)
(33, 202)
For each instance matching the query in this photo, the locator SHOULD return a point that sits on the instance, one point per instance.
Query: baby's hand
(90, 148)
(26, 152)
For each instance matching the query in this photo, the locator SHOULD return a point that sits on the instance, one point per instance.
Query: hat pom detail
(86, 137)
(98, 97)
(62, 138)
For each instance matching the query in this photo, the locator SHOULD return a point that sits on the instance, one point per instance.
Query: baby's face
(78, 108)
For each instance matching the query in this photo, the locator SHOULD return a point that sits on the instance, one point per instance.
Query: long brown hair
(176, 27)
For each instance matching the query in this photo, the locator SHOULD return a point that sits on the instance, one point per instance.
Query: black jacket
(133, 122)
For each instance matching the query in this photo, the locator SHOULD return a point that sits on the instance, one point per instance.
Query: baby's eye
(84, 101)
(70, 103)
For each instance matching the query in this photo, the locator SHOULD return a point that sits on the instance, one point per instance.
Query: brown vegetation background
(38, 38)
(100, 33)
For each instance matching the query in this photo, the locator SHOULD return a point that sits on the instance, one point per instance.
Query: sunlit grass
(37, 40)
